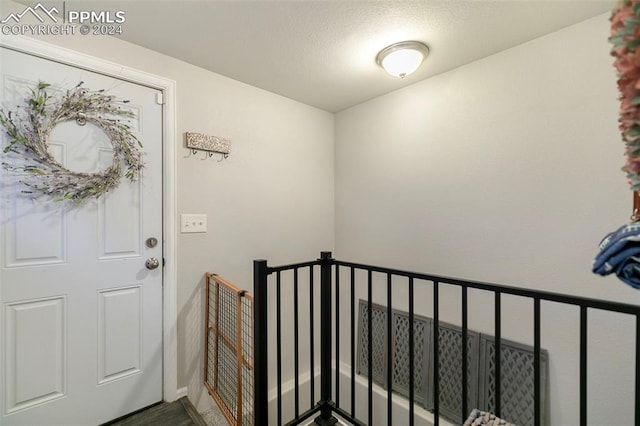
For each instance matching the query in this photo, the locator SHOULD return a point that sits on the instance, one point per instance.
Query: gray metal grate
(400, 339)
(516, 380)
(450, 371)
(379, 345)
(400, 349)
(516, 364)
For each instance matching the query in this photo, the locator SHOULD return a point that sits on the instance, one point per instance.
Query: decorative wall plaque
(208, 143)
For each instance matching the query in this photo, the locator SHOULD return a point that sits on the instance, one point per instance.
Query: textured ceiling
(322, 53)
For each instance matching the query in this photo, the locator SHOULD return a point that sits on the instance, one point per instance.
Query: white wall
(503, 170)
(272, 198)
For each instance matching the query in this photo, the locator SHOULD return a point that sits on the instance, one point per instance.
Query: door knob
(152, 263)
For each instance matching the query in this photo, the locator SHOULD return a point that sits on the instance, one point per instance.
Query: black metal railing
(330, 303)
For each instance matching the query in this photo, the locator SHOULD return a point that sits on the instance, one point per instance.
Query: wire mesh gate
(228, 357)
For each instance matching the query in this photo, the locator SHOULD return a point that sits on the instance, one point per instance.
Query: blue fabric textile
(619, 253)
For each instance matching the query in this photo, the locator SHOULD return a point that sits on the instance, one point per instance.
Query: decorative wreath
(625, 37)
(29, 128)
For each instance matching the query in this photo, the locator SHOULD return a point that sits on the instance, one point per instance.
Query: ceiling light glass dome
(402, 59)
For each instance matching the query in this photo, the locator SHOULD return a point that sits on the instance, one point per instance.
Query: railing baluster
(279, 344)
(389, 352)
(436, 354)
(296, 343)
(583, 365)
(465, 367)
(537, 394)
(497, 357)
(353, 343)
(312, 379)
(411, 356)
(337, 384)
(369, 349)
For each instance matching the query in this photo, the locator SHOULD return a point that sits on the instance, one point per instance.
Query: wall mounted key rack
(209, 144)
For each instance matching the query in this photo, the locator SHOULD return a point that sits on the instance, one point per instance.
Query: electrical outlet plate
(192, 223)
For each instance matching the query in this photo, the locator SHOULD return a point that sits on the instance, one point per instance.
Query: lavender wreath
(28, 154)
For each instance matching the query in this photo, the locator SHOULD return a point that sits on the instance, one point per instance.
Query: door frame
(169, 208)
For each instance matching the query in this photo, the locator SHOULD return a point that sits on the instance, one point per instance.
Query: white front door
(81, 315)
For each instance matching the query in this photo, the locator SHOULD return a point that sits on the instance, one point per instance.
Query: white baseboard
(181, 392)
(400, 404)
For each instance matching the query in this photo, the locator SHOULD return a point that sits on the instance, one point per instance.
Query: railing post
(260, 349)
(325, 418)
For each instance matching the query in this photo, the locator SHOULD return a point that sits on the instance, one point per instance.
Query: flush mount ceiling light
(401, 59)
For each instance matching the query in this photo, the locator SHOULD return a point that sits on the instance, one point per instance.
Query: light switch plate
(191, 223)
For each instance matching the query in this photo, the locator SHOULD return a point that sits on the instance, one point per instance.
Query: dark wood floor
(176, 413)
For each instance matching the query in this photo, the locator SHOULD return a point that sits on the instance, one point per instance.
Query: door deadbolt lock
(152, 263)
(151, 242)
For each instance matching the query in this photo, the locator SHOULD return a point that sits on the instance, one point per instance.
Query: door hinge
(160, 98)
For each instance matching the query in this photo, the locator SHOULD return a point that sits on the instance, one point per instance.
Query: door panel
(82, 316)
(35, 327)
(119, 333)
(117, 237)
